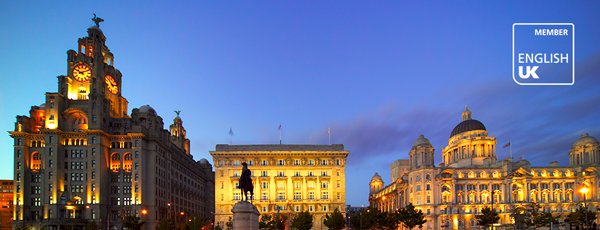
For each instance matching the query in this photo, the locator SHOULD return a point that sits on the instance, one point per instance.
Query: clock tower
(92, 82)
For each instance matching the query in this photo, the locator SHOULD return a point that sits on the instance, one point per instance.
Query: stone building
(288, 178)
(470, 178)
(6, 204)
(81, 156)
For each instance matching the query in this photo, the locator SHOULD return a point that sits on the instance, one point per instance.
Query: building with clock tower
(81, 157)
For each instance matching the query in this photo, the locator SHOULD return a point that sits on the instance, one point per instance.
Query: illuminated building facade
(452, 193)
(6, 204)
(291, 178)
(80, 156)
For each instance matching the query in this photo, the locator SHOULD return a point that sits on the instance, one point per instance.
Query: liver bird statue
(97, 20)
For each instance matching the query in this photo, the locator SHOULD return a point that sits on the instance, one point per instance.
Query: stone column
(245, 216)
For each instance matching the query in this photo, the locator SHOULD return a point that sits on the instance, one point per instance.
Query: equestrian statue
(246, 182)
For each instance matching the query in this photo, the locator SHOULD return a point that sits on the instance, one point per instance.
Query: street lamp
(182, 213)
(584, 190)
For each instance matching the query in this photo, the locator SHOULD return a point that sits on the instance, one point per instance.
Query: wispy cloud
(541, 122)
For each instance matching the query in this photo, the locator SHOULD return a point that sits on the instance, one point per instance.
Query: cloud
(541, 122)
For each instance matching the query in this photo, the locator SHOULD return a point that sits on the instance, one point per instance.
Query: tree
(133, 222)
(303, 221)
(388, 220)
(196, 223)
(265, 221)
(279, 223)
(22, 226)
(410, 217)
(577, 218)
(92, 225)
(487, 217)
(166, 224)
(536, 219)
(229, 224)
(218, 227)
(336, 221)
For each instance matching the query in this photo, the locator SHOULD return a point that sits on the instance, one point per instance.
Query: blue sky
(379, 73)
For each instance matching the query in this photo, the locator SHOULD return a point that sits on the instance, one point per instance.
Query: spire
(466, 115)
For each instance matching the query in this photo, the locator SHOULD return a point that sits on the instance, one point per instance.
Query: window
(137, 142)
(428, 199)
(324, 185)
(311, 208)
(264, 185)
(263, 208)
(280, 173)
(324, 162)
(324, 173)
(280, 185)
(337, 162)
(18, 165)
(263, 173)
(311, 195)
(418, 199)
(297, 184)
(296, 173)
(264, 196)
(94, 117)
(50, 177)
(281, 195)
(280, 162)
(50, 188)
(325, 195)
(296, 162)
(297, 196)
(311, 184)
(250, 162)
(428, 187)
(50, 164)
(18, 177)
(311, 162)
(297, 208)
(18, 153)
(264, 162)
(338, 183)
(325, 208)
(93, 164)
(418, 188)
(338, 195)
(236, 162)
(93, 175)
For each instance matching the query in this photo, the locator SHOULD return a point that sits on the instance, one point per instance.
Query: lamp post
(584, 190)
(169, 213)
(182, 213)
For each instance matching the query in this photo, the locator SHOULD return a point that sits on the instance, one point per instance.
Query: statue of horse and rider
(245, 183)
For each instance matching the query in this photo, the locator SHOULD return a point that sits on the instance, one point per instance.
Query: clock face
(82, 73)
(111, 84)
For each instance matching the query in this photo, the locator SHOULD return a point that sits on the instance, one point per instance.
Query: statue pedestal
(245, 216)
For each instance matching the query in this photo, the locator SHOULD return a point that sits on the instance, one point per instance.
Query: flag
(230, 131)
(507, 145)
(279, 127)
(521, 158)
(328, 130)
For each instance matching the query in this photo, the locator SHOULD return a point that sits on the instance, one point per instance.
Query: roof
(334, 147)
(467, 125)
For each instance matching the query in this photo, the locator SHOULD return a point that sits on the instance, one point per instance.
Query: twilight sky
(379, 73)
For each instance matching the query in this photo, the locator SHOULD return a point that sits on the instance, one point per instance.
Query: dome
(421, 141)
(203, 161)
(147, 109)
(376, 178)
(467, 125)
(585, 139)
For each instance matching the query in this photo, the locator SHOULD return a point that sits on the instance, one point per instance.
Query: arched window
(115, 162)
(35, 161)
(127, 162)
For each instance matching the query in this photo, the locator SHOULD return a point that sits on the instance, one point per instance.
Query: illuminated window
(311, 184)
(115, 162)
(127, 162)
(325, 195)
(311, 195)
(297, 196)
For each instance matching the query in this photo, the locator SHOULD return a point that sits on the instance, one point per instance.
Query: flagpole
(329, 132)
(511, 149)
(279, 132)
(230, 131)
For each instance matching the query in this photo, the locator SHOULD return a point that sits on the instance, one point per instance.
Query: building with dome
(81, 156)
(471, 178)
